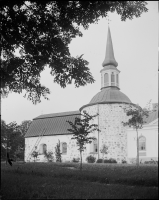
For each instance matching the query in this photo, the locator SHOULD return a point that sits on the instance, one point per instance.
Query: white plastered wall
(150, 132)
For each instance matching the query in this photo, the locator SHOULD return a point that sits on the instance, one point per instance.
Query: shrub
(49, 156)
(58, 152)
(99, 160)
(151, 162)
(76, 160)
(110, 160)
(34, 155)
(91, 159)
(124, 161)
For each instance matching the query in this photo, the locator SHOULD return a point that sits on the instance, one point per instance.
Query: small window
(94, 146)
(112, 79)
(142, 143)
(64, 148)
(106, 79)
(117, 79)
(42, 148)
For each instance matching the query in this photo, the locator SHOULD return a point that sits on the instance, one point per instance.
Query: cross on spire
(108, 19)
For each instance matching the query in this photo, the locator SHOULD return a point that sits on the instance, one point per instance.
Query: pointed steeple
(109, 55)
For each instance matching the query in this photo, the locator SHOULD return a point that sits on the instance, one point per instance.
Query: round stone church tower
(109, 104)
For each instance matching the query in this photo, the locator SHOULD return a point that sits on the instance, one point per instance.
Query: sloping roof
(58, 114)
(108, 95)
(152, 116)
(54, 124)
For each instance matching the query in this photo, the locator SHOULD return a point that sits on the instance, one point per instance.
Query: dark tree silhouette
(9, 160)
(41, 32)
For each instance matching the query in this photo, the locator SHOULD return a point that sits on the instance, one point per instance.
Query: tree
(58, 152)
(11, 139)
(136, 120)
(24, 126)
(81, 129)
(104, 150)
(40, 31)
(3, 140)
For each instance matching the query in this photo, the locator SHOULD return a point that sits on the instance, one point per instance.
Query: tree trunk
(6, 149)
(137, 158)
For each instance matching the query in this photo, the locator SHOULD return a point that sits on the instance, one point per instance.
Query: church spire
(109, 55)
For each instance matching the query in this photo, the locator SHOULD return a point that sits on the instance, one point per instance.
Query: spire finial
(108, 19)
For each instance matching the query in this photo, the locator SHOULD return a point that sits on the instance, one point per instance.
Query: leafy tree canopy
(24, 126)
(81, 128)
(12, 138)
(41, 32)
(137, 116)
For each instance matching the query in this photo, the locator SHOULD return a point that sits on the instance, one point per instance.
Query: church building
(46, 130)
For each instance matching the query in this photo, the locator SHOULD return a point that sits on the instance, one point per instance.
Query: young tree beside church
(136, 120)
(81, 129)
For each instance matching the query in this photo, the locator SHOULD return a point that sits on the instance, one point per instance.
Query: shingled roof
(152, 116)
(54, 124)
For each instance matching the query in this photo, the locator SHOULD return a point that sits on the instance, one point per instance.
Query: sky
(135, 44)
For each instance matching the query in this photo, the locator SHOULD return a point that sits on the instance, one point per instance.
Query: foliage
(81, 128)
(19, 154)
(137, 116)
(76, 160)
(12, 140)
(151, 162)
(58, 152)
(24, 126)
(34, 154)
(110, 160)
(49, 156)
(137, 119)
(124, 161)
(99, 160)
(40, 31)
(90, 159)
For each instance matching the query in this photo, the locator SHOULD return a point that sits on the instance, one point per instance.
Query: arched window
(117, 79)
(112, 79)
(106, 79)
(142, 143)
(64, 148)
(42, 148)
(94, 146)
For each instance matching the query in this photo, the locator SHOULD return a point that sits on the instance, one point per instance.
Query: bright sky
(135, 44)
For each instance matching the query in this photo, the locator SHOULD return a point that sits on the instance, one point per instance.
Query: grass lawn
(66, 181)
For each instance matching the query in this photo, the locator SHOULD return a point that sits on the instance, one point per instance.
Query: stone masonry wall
(113, 134)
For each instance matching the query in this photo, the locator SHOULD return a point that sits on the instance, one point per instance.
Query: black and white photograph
(79, 99)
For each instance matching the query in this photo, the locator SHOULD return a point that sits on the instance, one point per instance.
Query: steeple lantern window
(117, 80)
(112, 79)
(106, 79)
